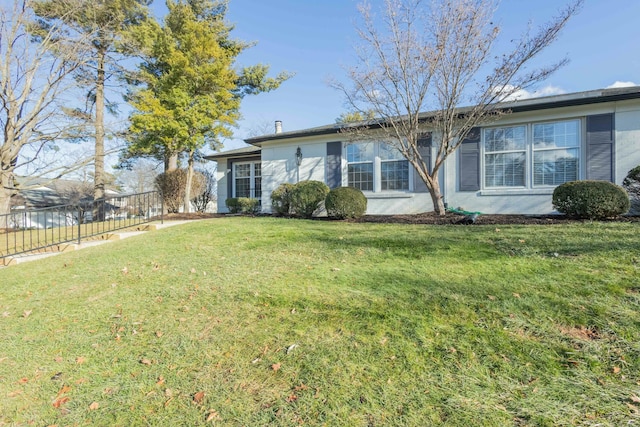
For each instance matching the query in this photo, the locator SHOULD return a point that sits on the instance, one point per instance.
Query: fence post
(79, 224)
(161, 209)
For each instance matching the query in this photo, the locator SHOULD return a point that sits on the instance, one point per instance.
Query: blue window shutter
(600, 147)
(228, 166)
(333, 165)
(424, 148)
(469, 162)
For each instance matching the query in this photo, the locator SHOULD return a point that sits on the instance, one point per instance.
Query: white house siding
(627, 120)
(538, 201)
(222, 177)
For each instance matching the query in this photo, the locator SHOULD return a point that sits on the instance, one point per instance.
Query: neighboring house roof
(43, 192)
(240, 152)
(532, 104)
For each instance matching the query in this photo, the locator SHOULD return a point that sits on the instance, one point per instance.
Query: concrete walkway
(101, 240)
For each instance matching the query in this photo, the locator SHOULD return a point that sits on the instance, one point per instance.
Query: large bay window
(375, 166)
(247, 180)
(533, 155)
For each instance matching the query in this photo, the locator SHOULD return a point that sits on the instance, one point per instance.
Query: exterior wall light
(298, 156)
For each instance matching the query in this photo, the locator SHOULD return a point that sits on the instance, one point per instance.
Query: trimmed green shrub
(590, 199)
(172, 187)
(345, 202)
(632, 184)
(281, 199)
(307, 196)
(244, 205)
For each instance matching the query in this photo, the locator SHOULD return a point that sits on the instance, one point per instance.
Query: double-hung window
(532, 155)
(247, 180)
(376, 166)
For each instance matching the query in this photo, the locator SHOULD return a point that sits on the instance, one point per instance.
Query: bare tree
(439, 56)
(208, 194)
(139, 176)
(33, 79)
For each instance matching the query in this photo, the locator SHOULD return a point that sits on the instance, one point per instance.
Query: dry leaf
(521, 240)
(146, 362)
(160, 380)
(80, 360)
(61, 401)
(65, 389)
(193, 270)
(27, 313)
(14, 393)
(292, 398)
(23, 380)
(633, 408)
(276, 366)
(516, 295)
(94, 406)
(491, 297)
(125, 270)
(616, 369)
(635, 398)
(198, 397)
(301, 387)
(58, 359)
(159, 334)
(212, 416)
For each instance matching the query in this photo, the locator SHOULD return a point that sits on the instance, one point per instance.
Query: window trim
(377, 169)
(252, 178)
(530, 187)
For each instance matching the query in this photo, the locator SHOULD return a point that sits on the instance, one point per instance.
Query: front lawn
(266, 321)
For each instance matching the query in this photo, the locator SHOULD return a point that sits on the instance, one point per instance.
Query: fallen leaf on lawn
(633, 408)
(58, 359)
(197, 398)
(521, 240)
(276, 366)
(125, 270)
(167, 402)
(616, 369)
(212, 416)
(146, 362)
(23, 380)
(65, 389)
(14, 393)
(159, 334)
(516, 295)
(292, 398)
(94, 406)
(61, 401)
(81, 380)
(160, 380)
(80, 360)
(168, 392)
(335, 269)
(193, 270)
(453, 350)
(491, 297)
(27, 313)
(497, 230)
(5, 314)
(301, 387)
(635, 398)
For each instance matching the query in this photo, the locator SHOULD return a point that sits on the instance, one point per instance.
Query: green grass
(385, 325)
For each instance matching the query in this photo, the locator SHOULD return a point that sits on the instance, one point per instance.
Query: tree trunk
(171, 163)
(436, 197)
(5, 197)
(187, 193)
(98, 192)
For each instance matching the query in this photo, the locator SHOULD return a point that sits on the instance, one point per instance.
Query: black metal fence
(29, 230)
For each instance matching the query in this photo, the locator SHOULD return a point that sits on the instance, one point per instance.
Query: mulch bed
(432, 219)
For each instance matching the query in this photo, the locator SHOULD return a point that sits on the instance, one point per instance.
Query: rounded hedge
(281, 199)
(590, 199)
(345, 202)
(306, 197)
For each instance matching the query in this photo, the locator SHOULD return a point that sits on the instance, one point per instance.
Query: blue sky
(315, 40)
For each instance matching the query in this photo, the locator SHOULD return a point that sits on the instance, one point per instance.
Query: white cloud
(618, 84)
(525, 94)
